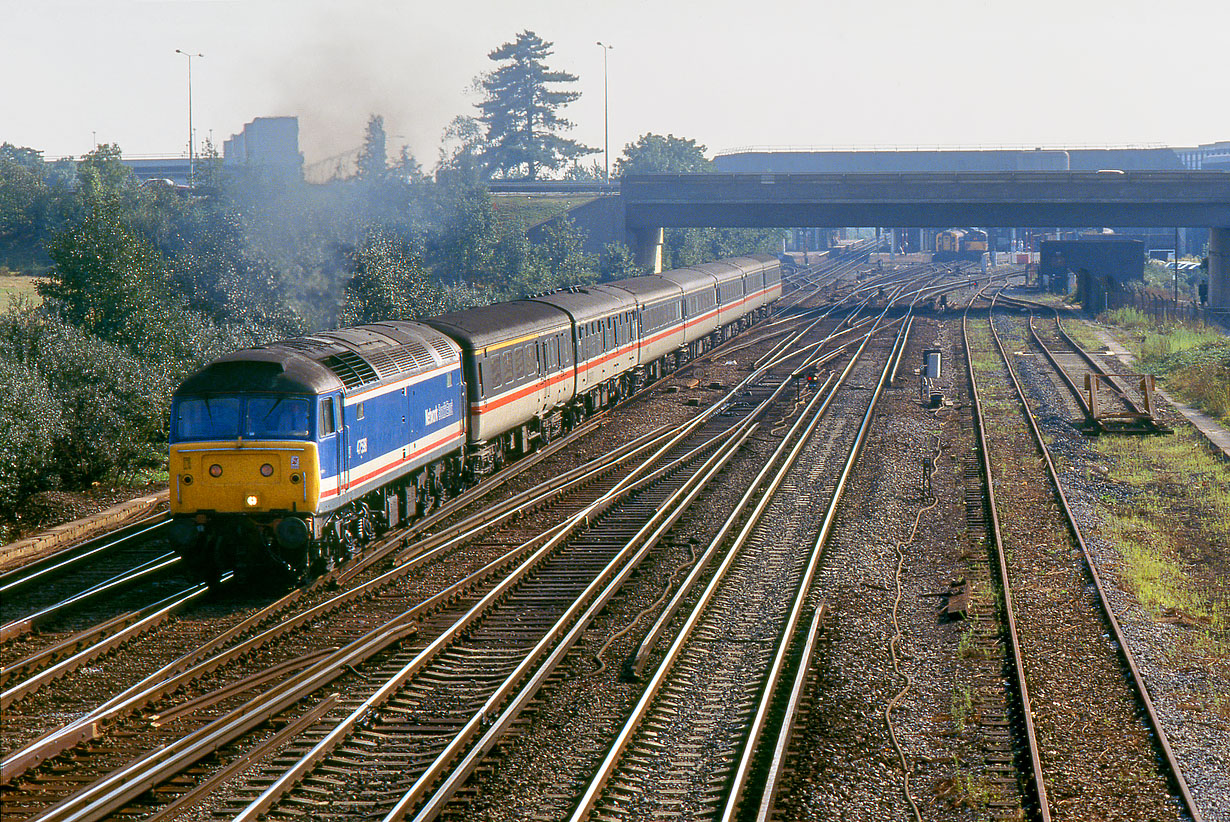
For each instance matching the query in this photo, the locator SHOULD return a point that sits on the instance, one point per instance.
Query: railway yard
(802, 577)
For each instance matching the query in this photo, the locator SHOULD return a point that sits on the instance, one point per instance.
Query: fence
(1163, 309)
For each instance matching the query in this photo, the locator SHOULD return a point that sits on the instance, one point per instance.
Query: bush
(76, 409)
(29, 425)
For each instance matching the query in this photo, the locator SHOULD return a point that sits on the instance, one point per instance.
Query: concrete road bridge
(1043, 199)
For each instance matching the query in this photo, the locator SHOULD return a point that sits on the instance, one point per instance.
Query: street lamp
(606, 113)
(191, 154)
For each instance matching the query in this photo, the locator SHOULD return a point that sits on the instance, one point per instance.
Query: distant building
(268, 143)
(1210, 156)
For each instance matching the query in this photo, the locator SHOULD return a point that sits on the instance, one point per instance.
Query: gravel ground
(845, 763)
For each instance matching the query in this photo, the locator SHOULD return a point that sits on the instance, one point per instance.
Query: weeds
(1171, 533)
(965, 789)
(962, 707)
(1193, 359)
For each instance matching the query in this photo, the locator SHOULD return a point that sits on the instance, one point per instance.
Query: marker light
(251, 501)
(266, 470)
(294, 479)
(215, 470)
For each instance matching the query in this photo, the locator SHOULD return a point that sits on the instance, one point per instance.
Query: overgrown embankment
(1193, 361)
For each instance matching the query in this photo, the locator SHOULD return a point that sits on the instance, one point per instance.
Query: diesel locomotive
(286, 458)
(960, 244)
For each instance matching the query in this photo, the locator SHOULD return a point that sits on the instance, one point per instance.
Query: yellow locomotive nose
(245, 477)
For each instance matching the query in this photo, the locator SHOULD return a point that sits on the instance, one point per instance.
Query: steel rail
(660, 524)
(777, 766)
(610, 580)
(71, 645)
(1120, 390)
(195, 665)
(545, 545)
(271, 795)
(658, 679)
(641, 656)
(113, 791)
(1175, 773)
(28, 623)
(788, 635)
(735, 799)
(65, 558)
(1035, 782)
(807, 421)
(155, 614)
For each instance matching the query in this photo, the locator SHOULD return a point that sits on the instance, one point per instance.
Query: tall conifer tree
(521, 111)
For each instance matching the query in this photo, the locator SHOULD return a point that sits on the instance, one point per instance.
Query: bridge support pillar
(1219, 268)
(647, 248)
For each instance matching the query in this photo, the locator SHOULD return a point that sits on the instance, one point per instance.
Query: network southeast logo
(442, 411)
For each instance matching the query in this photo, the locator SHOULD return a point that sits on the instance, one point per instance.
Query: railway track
(710, 698)
(32, 668)
(224, 650)
(1073, 365)
(443, 770)
(1085, 749)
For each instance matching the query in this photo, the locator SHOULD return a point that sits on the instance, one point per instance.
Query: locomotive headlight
(251, 500)
(266, 470)
(294, 479)
(215, 470)
(187, 479)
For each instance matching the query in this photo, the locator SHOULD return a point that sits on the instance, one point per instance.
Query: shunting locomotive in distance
(960, 244)
(286, 458)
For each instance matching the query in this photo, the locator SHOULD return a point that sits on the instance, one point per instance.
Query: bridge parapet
(1017, 198)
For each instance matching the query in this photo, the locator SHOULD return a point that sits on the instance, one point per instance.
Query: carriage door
(343, 447)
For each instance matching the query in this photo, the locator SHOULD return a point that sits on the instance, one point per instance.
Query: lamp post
(191, 154)
(606, 115)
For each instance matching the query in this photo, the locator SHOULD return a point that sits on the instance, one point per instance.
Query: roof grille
(385, 365)
(422, 357)
(309, 344)
(404, 359)
(351, 369)
(442, 349)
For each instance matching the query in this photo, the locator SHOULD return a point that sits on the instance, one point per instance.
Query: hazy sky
(725, 73)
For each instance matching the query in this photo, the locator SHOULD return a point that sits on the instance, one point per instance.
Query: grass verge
(1170, 523)
(1193, 360)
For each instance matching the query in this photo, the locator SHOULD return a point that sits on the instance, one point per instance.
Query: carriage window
(518, 362)
(480, 379)
(327, 424)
